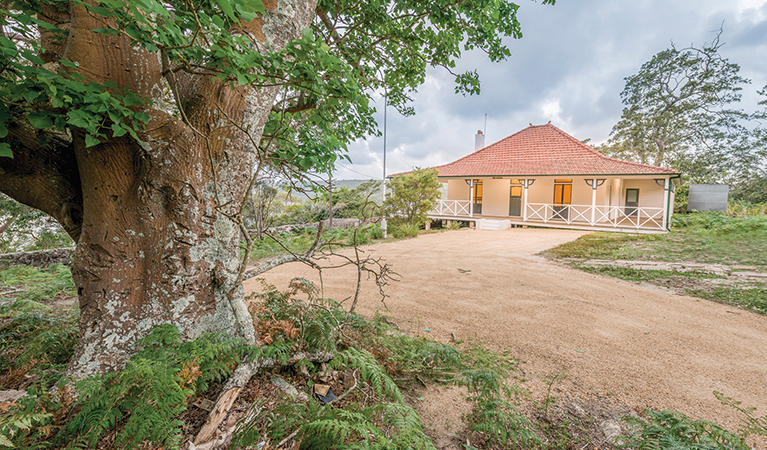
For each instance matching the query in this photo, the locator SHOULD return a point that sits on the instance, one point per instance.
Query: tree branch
(43, 174)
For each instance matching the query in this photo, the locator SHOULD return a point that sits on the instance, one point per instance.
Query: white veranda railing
(452, 208)
(606, 216)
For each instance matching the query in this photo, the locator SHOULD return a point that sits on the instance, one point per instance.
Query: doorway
(515, 201)
(563, 196)
(477, 196)
(632, 202)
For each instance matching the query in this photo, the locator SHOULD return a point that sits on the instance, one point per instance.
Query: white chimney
(479, 140)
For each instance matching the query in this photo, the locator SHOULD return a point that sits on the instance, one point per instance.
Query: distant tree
(24, 228)
(749, 183)
(678, 113)
(356, 203)
(411, 196)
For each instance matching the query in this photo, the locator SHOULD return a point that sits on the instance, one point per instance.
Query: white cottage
(541, 176)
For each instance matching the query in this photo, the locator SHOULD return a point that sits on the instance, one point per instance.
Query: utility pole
(330, 195)
(383, 185)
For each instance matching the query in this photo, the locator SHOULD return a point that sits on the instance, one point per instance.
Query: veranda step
(493, 224)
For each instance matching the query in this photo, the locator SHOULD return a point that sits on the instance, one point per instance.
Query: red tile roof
(543, 150)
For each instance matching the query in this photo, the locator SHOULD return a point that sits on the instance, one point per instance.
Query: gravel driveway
(639, 346)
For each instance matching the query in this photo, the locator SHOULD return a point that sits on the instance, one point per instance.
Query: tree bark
(155, 221)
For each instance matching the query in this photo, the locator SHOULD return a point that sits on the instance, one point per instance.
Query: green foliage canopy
(327, 75)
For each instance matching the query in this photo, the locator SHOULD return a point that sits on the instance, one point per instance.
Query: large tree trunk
(159, 239)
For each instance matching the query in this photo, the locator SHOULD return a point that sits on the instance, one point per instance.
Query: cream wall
(495, 197)
(650, 194)
(457, 189)
(542, 191)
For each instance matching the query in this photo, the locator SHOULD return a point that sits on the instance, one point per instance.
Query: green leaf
(226, 7)
(90, 141)
(3, 129)
(5, 150)
(40, 120)
(4, 441)
(219, 22)
(117, 130)
(31, 57)
(31, 95)
(143, 117)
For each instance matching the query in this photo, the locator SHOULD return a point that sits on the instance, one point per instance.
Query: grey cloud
(572, 59)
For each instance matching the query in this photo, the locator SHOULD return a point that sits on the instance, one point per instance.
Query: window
(563, 192)
(477, 192)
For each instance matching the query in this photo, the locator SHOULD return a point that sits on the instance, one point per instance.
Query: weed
(550, 380)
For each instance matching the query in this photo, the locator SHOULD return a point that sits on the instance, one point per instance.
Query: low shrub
(405, 230)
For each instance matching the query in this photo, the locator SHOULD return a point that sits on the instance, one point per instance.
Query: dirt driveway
(637, 346)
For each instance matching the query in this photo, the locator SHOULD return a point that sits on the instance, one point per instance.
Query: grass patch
(639, 275)
(37, 285)
(752, 299)
(599, 245)
(704, 238)
(711, 238)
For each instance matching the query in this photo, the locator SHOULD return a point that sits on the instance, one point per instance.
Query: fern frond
(674, 430)
(371, 372)
(18, 421)
(501, 423)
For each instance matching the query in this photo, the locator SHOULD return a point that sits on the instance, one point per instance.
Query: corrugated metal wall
(708, 197)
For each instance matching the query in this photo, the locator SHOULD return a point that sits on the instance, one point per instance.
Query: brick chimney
(479, 140)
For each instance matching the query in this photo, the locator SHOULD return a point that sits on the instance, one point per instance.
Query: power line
(352, 170)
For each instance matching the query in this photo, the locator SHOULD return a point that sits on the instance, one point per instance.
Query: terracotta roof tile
(543, 150)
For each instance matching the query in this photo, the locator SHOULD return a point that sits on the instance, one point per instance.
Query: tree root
(232, 389)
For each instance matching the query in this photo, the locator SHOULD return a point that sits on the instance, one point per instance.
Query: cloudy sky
(569, 68)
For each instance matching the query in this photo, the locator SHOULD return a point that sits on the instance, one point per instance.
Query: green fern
(317, 319)
(501, 423)
(34, 336)
(674, 430)
(370, 371)
(146, 397)
(392, 426)
(279, 351)
(19, 421)
(402, 425)
(751, 424)
(339, 428)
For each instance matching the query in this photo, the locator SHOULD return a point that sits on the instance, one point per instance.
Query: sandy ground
(638, 346)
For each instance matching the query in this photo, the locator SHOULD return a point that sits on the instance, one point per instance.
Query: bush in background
(412, 196)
